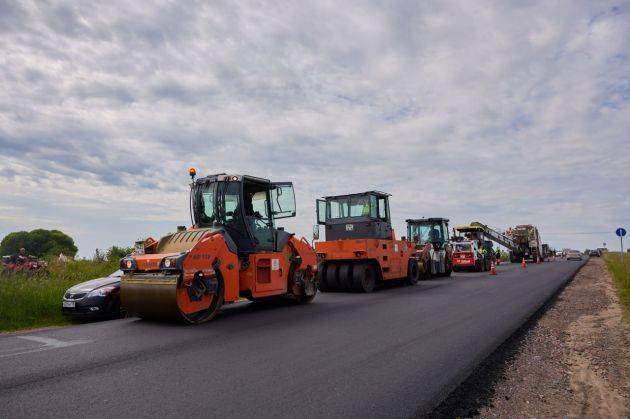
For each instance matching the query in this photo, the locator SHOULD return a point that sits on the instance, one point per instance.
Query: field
(620, 270)
(30, 303)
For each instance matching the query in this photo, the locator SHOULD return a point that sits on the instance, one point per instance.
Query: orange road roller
(233, 250)
(360, 247)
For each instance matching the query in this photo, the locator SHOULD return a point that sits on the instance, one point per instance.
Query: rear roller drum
(309, 287)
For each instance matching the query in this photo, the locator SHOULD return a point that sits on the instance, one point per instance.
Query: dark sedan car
(98, 298)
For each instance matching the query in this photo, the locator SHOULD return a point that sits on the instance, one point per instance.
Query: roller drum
(150, 296)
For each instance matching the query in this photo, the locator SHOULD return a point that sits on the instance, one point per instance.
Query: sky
(504, 112)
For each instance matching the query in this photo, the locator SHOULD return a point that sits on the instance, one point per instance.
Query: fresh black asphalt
(394, 353)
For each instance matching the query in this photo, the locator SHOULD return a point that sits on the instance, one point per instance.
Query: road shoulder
(572, 360)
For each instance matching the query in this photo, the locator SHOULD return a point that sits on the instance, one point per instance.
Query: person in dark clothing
(20, 257)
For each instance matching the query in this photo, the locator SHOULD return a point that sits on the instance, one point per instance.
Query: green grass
(27, 303)
(620, 270)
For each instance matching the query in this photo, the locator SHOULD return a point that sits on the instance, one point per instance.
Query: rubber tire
(332, 277)
(322, 286)
(413, 272)
(345, 277)
(450, 270)
(364, 277)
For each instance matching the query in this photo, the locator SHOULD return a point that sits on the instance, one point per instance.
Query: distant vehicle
(594, 252)
(28, 266)
(97, 298)
(559, 253)
(574, 255)
(467, 255)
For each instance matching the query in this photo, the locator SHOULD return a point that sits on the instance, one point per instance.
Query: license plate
(464, 261)
(68, 304)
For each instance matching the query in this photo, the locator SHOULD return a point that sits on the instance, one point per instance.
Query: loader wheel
(363, 277)
(413, 272)
(321, 273)
(345, 277)
(332, 276)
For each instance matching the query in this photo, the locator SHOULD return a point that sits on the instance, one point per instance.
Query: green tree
(117, 253)
(39, 242)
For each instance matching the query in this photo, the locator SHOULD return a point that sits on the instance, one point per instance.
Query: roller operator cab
(360, 248)
(233, 250)
(434, 250)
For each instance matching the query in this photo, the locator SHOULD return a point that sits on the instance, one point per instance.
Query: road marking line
(48, 344)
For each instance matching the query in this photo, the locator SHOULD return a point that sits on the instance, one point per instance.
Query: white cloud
(505, 113)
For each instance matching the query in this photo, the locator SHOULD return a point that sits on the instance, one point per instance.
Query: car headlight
(101, 292)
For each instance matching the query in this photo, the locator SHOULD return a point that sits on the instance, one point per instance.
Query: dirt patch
(571, 361)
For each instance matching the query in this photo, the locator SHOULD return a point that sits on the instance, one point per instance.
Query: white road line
(48, 344)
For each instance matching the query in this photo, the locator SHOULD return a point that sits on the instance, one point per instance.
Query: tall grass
(620, 270)
(36, 302)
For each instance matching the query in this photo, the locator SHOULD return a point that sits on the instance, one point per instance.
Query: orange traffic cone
(493, 269)
(537, 260)
(523, 265)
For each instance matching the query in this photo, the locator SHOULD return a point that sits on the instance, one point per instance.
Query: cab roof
(468, 229)
(219, 177)
(378, 194)
(425, 220)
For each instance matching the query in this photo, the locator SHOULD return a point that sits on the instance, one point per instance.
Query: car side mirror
(316, 232)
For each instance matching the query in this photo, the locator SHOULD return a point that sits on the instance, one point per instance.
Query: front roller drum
(165, 297)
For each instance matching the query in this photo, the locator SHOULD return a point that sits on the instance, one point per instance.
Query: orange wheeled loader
(360, 247)
(233, 250)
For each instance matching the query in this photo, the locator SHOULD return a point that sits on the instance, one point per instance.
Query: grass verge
(620, 270)
(27, 303)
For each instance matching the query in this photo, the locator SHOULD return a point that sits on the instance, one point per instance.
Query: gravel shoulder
(572, 360)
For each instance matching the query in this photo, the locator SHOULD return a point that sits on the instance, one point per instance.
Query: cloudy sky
(502, 112)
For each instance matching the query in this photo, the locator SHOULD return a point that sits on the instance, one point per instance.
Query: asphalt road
(394, 353)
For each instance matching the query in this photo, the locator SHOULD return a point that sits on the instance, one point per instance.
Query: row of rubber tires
(356, 276)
